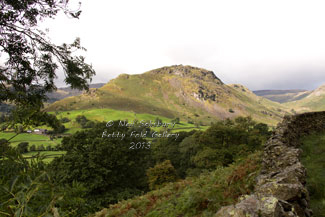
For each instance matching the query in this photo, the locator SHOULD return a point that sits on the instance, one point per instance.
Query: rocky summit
(188, 71)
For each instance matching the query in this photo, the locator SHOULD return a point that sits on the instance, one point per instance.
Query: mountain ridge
(282, 96)
(187, 92)
(63, 92)
(314, 101)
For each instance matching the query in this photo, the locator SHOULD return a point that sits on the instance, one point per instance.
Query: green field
(93, 115)
(37, 140)
(111, 114)
(32, 139)
(313, 159)
(48, 155)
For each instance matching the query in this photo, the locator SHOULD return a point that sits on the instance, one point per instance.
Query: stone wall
(280, 188)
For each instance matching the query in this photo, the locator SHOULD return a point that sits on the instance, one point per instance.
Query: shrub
(158, 120)
(176, 120)
(4, 146)
(41, 148)
(60, 129)
(23, 147)
(161, 174)
(88, 124)
(81, 119)
(32, 148)
(65, 120)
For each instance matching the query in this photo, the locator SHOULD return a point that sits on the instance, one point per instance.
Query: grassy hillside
(201, 196)
(315, 101)
(190, 93)
(282, 96)
(260, 108)
(313, 159)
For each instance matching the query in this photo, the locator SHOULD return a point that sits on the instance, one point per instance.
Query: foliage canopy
(107, 166)
(31, 59)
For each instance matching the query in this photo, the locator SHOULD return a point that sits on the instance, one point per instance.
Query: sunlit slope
(315, 101)
(186, 92)
(194, 196)
(260, 108)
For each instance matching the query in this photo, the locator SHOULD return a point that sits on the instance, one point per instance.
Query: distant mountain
(282, 96)
(64, 92)
(187, 92)
(314, 101)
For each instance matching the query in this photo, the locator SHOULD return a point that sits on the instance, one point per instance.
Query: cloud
(261, 44)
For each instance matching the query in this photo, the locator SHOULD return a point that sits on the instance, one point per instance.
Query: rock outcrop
(189, 72)
(280, 190)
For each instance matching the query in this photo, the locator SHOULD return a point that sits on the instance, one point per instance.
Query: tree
(161, 174)
(158, 120)
(263, 129)
(246, 123)
(89, 124)
(140, 129)
(65, 120)
(32, 148)
(2, 118)
(169, 149)
(82, 120)
(41, 148)
(26, 189)
(176, 120)
(107, 166)
(23, 147)
(60, 129)
(19, 128)
(4, 147)
(31, 59)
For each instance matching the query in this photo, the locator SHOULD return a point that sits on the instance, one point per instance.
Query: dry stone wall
(280, 188)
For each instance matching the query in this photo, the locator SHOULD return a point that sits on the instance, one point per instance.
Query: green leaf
(13, 182)
(18, 212)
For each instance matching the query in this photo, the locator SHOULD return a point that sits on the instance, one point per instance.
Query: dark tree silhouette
(31, 59)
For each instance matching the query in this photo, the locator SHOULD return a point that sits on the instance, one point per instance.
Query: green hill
(315, 101)
(187, 92)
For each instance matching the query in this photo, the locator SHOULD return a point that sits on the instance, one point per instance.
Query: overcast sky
(260, 44)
